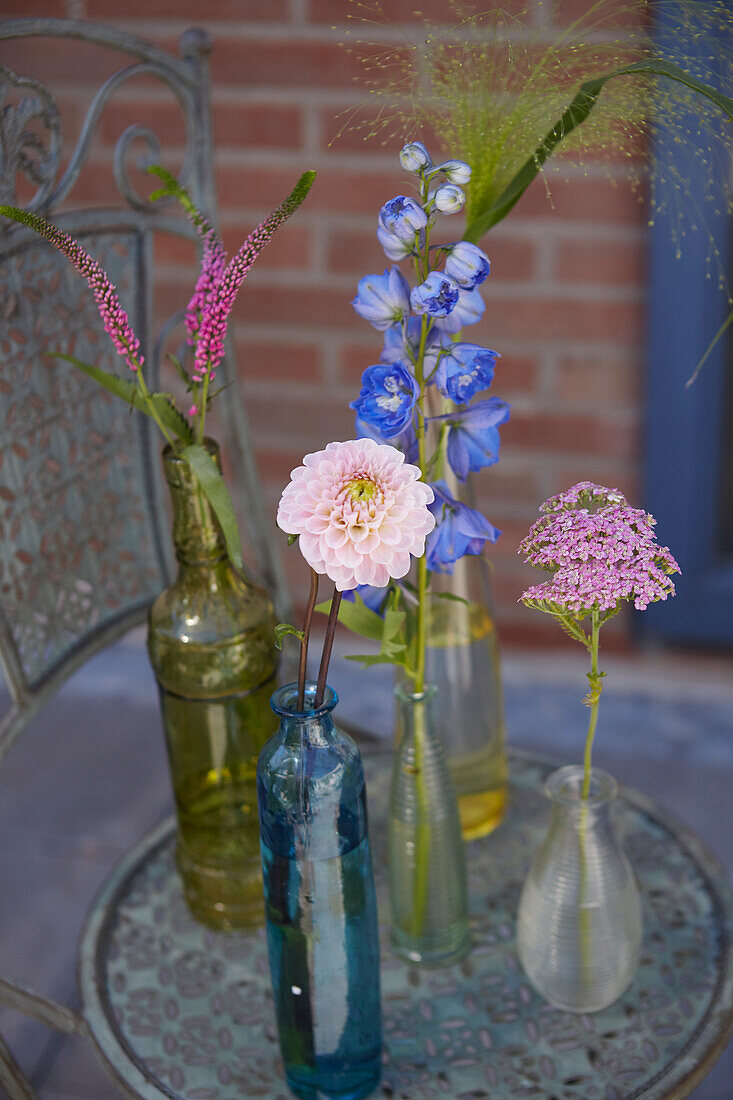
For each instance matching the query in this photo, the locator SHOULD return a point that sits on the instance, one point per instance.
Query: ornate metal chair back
(84, 538)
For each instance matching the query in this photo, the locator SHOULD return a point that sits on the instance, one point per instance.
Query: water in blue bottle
(320, 902)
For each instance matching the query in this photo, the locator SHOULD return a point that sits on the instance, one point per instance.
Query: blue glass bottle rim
(565, 786)
(285, 701)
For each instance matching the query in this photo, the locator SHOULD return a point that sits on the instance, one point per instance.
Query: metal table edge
(124, 1069)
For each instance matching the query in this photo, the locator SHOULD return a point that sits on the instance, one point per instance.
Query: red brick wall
(565, 301)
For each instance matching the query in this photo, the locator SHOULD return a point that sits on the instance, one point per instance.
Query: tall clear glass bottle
(322, 931)
(211, 645)
(464, 665)
(427, 861)
(579, 923)
(462, 661)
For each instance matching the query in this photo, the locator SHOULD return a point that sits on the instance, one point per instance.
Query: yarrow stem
(594, 698)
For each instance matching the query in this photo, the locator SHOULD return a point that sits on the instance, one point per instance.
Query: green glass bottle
(211, 645)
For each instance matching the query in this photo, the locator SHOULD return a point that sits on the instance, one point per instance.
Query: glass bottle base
(430, 953)
(481, 811)
(331, 1078)
(226, 899)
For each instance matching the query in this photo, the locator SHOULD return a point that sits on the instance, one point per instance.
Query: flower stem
(202, 411)
(422, 838)
(151, 406)
(422, 565)
(307, 621)
(327, 646)
(594, 698)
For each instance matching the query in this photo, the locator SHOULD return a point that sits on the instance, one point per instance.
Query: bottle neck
(197, 536)
(564, 788)
(311, 726)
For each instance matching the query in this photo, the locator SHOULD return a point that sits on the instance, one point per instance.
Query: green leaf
(291, 540)
(576, 113)
(283, 629)
(214, 488)
(358, 617)
(367, 659)
(180, 370)
(130, 392)
(450, 596)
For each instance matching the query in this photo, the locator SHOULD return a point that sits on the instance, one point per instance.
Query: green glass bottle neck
(196, 533)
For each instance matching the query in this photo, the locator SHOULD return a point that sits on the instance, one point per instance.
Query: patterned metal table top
(180, 1011)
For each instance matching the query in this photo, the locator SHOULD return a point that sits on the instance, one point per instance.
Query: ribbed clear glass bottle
(579, 922)
(427, 861)
(321, 908)
(211, 645)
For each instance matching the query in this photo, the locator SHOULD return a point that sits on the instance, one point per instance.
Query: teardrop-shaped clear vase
(579, 922)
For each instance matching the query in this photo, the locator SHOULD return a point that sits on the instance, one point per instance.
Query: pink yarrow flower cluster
(599, 550)
(360, 512)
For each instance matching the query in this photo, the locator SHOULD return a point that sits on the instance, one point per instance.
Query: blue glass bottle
(320, 903)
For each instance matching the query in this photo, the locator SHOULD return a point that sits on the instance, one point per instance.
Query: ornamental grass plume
(505, 89)
(359, 512)
(600, 552)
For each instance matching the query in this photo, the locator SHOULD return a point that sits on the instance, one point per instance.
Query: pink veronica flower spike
(360, 512)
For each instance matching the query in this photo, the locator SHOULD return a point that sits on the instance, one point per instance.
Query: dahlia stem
(327, 646)
(307, 622)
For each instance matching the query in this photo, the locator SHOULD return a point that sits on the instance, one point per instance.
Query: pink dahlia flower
(359, 510)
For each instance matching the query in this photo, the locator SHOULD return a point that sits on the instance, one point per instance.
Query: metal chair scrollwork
(84, 542)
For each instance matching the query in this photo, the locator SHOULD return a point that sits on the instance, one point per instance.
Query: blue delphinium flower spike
(387, 398)
(406, 441)
(401, 343)
(459, 530)
(473, 436)
(373, 597)
(403, 216)
(465, 370)
(383, 299)
(467, 264)
(437, 296)
(468, 309)
(397, 248)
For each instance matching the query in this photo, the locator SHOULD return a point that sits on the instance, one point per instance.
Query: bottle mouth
(405, 695)
(566, 786)
(285, 701)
